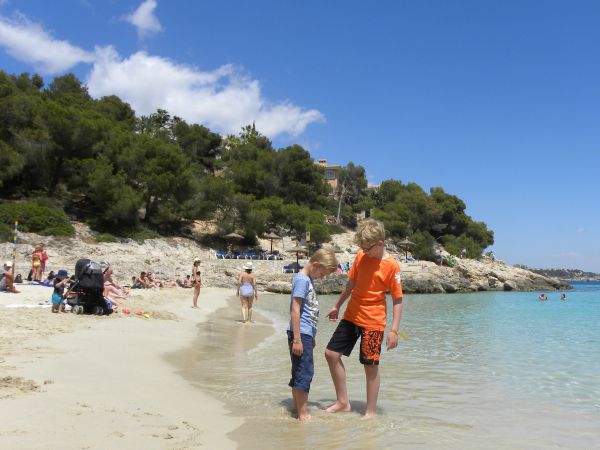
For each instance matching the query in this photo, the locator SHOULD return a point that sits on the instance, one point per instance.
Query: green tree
(113, 200)
(200, 144)
(11, 162)
(351, 187)
(300, 180)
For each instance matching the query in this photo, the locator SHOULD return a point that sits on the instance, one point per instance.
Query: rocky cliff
(465, 276)
(171, 258)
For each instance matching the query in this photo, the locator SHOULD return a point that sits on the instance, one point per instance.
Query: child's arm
(392, 337)
(335, 309)
(297, 348)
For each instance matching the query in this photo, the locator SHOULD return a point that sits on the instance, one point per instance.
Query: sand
(70, 381)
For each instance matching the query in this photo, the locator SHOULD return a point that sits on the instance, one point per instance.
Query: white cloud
(223, 99)
(29, 43)
(144, 20)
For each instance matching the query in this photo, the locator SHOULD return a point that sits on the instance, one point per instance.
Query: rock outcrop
(171, 258)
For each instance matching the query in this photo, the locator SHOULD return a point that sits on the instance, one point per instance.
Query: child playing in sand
(373, 273)
(60, 282)
(304, 312)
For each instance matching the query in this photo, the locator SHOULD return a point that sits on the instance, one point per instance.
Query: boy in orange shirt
(373, 273)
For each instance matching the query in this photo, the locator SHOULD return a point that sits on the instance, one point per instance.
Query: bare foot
(195, 307)
(368, 416)
(338, 407)
(305, 418)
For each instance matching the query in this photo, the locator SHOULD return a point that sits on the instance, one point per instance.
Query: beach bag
(18, 278)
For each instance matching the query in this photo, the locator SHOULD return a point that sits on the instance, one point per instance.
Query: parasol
(298, 249)
(271, 237)
(405, 244)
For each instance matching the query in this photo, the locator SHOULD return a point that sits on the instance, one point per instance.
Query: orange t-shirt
(372, 278)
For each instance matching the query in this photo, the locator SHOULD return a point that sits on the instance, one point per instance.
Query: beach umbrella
(233, 237)
(271, 237)
(405, 244)
(298, 249)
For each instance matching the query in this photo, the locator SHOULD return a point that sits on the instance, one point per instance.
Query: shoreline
(105, 382)
(224, 337)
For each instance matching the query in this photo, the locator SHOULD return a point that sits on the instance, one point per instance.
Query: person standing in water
(247, 291)
(302, 329)
(373, 273)
(196, 281)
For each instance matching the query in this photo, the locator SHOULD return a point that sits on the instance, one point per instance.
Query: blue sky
(498, 102)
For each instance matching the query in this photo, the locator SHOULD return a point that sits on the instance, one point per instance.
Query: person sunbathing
(143, 280)
(111, 288)
(7, 283)
(155, 282)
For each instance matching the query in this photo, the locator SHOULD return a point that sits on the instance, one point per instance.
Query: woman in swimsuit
(36, 263)
(247, 291)
(196, 281)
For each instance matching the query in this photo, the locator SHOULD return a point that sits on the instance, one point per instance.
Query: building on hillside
(331, 173)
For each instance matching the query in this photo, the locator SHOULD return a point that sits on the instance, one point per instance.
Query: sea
(493, 370)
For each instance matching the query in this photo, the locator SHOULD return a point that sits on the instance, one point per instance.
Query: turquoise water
(480, 370)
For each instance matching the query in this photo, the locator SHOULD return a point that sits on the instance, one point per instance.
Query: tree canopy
(123, 174)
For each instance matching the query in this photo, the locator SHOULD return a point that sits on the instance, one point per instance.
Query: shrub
(106, 237)
(424, 243)
(454, 245)
(35, 218)
(334, 228)
(142, 235)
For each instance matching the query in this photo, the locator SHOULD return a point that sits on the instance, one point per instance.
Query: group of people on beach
(145, 280)
(62, 284)
(373, 273)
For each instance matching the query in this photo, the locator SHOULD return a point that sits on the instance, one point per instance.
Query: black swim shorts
(345, 336)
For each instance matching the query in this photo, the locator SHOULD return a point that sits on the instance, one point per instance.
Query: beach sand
(71, 381)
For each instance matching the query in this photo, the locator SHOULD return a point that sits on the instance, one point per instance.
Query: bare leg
(373, 381)
(196, 293)
(338, 375)
(301, 402)
(250, 301)
(244, 308)
(10, 284)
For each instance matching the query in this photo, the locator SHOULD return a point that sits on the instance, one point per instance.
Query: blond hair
(369, 232)
(325, 257)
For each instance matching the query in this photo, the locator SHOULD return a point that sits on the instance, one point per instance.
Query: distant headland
(564, 274)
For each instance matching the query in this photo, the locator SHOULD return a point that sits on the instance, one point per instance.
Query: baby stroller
(88, 287)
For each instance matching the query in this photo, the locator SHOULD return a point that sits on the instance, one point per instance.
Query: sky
(496, 101)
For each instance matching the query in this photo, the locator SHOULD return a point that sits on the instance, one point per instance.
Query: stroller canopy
(88, 274)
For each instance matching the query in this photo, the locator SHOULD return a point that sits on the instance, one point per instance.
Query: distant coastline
(564, 274)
